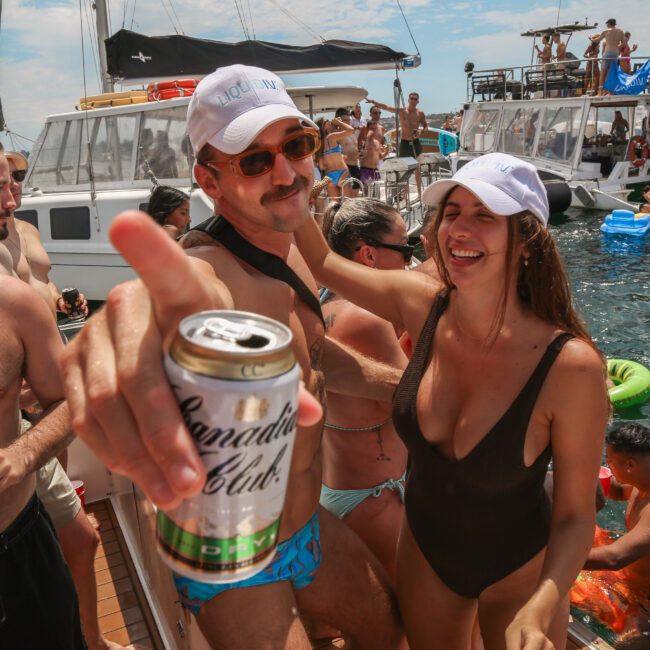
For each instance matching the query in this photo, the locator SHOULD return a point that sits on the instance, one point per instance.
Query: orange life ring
(170, 89)
(640, 141)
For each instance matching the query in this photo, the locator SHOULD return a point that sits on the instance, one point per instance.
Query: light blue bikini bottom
(342, 502)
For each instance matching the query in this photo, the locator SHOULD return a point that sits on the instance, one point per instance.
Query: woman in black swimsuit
(503, 377)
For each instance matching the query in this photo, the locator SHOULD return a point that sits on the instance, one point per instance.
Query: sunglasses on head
(18, 175)
(255, 162)
(405, 249)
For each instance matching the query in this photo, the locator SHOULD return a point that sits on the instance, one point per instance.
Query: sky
(43, 45)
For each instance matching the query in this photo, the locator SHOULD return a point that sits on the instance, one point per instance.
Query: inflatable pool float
(625, 222)
(632, 383)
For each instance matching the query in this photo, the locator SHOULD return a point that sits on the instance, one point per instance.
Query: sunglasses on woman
(18, 175)
(255, 162)
(405, 249)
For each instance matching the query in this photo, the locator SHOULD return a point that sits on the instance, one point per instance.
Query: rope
(250, 16)
(135, 2)
(408, 27)
(241, 20)
(93, 32)
(299, 22)
(374, 427)
(178, 20)
(171, 20)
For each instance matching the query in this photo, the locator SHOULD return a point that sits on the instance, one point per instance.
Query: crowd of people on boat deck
(418, 513)
(610, 46)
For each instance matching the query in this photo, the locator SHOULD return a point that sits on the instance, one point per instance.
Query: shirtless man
(38, 602)
(560, 50)
(364, 461)
(411, 121)
(628, 456)
(123, 407)
(23, 256)
(374, 150)
(611, 39)
(350, 151)
(544, 54)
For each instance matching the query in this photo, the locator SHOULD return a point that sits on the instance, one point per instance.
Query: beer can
(236, 381)
(70, 296)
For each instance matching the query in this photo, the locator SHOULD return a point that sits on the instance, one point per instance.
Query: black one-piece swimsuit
(479, 518)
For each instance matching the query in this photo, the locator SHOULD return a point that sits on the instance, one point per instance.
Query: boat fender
(642, 143)
(558, 193)
(632, 383)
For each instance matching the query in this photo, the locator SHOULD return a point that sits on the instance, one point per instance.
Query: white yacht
(550, 115)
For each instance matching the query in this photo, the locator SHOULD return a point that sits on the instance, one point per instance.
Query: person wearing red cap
(503, 377)
(254, 160)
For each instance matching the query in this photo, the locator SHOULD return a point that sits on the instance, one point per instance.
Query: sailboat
(91, 163)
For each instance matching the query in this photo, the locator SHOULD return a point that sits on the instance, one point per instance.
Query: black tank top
(479, 518)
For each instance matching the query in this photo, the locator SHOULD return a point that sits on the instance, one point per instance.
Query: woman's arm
(385, 293)
(578, 418)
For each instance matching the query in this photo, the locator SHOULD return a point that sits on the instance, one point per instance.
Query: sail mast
(102, 34)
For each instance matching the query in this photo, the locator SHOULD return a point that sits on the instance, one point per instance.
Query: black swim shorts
(412, 148)
(38, 600)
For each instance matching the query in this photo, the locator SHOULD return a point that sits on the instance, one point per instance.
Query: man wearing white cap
(254, 160)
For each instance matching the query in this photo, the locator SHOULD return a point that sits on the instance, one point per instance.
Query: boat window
(46, 171)
(111, 139)
(163, 144)
(518, 131)
(30, 216)
(559, 132)
(479, 135)
(70, 223)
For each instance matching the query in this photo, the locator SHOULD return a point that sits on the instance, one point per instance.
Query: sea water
(610, 281)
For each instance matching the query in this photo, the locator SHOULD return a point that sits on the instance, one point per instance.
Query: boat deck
(123, 611)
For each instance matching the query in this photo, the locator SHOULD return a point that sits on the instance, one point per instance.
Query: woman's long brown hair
(542, 284)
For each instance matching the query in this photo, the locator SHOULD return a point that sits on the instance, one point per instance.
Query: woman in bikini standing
(503, 377)
(363, 458)
(331, 161)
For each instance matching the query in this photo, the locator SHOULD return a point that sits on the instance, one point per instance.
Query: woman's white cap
(503, 183)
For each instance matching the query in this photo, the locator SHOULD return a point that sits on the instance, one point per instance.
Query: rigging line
(559, 8)
(171, 20)
(408, 27)
(241, 20)
(250, 15)
(124, 8)
(135, 2)
(180, 26)
(88, 12)
(299, 22)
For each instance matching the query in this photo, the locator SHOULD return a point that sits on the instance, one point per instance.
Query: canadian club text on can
(236, 381)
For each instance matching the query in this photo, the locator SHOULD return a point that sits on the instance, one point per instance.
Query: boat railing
(568, 78)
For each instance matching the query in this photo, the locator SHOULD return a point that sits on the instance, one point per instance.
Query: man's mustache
(5, 214)
(285, 190)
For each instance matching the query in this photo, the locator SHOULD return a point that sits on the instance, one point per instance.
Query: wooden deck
(123, 612)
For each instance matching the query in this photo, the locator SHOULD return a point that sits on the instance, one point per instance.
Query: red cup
(80, 490)
(605, 476)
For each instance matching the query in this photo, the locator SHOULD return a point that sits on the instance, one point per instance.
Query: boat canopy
(136, 58)
(568, 28)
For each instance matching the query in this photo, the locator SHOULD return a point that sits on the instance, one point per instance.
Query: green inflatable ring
(632, 383)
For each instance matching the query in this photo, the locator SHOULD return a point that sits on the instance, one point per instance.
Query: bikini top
(337, 149)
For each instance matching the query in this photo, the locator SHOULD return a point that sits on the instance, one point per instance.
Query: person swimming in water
(500, 350)
(615, 586)
(364, 461)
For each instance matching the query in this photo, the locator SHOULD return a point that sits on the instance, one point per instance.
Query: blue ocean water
(610, 280)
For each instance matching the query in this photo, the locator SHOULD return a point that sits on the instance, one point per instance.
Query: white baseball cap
(231, 106)
(503, 183)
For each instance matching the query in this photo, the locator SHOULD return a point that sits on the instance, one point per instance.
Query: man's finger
(156, 258)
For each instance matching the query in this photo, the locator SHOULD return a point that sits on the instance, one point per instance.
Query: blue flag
(619, 83)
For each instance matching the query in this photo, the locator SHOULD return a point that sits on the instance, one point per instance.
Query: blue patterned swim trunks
(296, 559)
